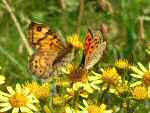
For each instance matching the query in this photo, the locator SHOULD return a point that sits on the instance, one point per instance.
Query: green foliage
(124, 39)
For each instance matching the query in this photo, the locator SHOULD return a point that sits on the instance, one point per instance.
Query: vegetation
(125, 26)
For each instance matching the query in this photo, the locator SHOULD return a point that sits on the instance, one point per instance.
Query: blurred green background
(128, 23)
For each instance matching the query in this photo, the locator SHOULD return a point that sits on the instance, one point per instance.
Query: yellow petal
(4, 94)
(96, 74)
(4, 99)
(136, 83)
(25, 109)
(142, 67)
(31, 106)
(32, 99)
(93, 78)
(136, 70)
(5, 104)
(68, 109)
(88, 88)
(5, 109)
(108, 111)
(10, 90)
(136, 76)
(18, 88)
(15, 110)
(85, 103)
(97, 82)
(77, 85)
(94, 86)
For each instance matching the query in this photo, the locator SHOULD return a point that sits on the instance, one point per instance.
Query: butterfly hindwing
(41, 63)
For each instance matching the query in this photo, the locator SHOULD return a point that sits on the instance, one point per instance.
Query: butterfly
(93, 50)
(51, 51)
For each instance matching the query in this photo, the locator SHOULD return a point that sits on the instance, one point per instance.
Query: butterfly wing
(51, 51)
(94, 51)
(37, 32)
(41, 63)
(63, 59)
(88, 41)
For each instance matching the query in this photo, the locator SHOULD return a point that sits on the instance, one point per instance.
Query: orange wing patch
(94, 51)
(88, 41)
(37, 32)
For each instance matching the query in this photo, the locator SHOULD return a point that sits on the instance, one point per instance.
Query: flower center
(96, 109)
(110, 76)
(140, 92)
(18, 100)
(147, 78)
(79, 75)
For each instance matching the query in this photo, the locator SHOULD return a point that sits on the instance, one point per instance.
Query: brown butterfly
(94, 48)
(51, 52)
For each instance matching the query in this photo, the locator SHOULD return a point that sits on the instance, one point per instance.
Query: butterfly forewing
(94, 51)
(37, 32)
(88, 41)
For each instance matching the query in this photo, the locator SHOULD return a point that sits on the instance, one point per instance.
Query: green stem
(103, 94)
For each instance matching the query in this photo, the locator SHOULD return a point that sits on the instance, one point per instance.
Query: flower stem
(103, 94)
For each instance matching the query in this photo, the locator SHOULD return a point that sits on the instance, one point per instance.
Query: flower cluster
(80, 90)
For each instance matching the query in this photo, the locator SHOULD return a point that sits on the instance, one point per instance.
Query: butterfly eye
(39, 28)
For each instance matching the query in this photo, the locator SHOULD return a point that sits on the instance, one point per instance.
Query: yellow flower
(78, 80)
(140, 92)
(40, 91)
(142, 74)
(69, 109)
(111, 77)
(57, 100)
(93, 108)
(122, 64)
(75, 41)
(19, 99)
(122, 88)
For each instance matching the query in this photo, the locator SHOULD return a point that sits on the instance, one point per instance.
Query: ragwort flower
(19, 100)
(40, 91)
(94, 108)
(75, 41)
(142, 74)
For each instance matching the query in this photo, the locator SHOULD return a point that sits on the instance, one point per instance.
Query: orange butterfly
(51, 54)
(93, 50)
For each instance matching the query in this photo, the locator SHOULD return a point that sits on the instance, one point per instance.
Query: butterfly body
(51, 51)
